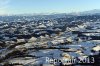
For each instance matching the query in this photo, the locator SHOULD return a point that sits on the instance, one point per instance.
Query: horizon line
(49, 13)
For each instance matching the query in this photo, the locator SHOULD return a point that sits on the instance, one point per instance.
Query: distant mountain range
(90, 12)
(95, 11)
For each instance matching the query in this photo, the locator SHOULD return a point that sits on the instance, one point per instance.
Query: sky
(47, 6)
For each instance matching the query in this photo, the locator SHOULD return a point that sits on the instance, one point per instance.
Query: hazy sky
(47, 6)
